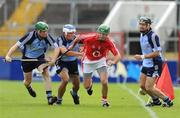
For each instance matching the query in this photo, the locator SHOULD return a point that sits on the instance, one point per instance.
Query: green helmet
(42, 26)
(104, 29)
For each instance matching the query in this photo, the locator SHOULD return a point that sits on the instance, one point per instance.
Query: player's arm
(10, 52)
(146, 56)
(76, 40)
(70, 53)
(117, 58)
(152, 55)
(55, 56)
(52, 41)
(57, 49)
(116, 54)
(19, 44)
(154, 42)
(61, 50)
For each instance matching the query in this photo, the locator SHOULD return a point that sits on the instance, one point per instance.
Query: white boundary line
(142, 102)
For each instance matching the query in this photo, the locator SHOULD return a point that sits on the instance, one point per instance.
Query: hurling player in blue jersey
(152, 63)
(67, 66)
(34, 45)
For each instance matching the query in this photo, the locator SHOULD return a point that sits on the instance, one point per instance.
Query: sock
(59, 100)
(74, 92)
(104, 99)
(49, 94)
(166, 99)
(155, 99)
(29, 87)
(89, 88)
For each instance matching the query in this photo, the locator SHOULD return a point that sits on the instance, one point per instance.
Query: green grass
(16, 103)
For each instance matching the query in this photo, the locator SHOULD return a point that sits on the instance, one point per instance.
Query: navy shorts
(30, 65)
(72, 67)
(154, 71)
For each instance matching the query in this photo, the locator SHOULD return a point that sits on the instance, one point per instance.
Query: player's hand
(51, 63)
(110, 62)
(138, 57)
(77, 36)
(8, 59)
(70, 47)
(81, 49)
(80, 54)
(42, 67)
(48, 59)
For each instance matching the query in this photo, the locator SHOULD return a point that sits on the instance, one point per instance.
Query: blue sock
(166, 99)
(29, 87)
(49, 94)
(154, 97)
(74, 92)
(59, 100)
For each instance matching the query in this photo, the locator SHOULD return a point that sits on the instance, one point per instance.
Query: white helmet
(68, 28)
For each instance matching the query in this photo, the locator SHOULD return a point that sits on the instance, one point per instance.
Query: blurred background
(17, 17)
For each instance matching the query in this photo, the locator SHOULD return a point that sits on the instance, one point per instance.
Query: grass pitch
(15, 102)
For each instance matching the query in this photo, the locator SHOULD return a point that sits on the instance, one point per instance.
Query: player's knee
(149, 88)
(104, 82)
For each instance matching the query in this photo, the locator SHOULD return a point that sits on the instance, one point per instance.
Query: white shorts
(91, 67)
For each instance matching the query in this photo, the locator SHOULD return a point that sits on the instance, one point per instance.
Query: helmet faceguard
(144, 24)
(145, 20)
(68, 28)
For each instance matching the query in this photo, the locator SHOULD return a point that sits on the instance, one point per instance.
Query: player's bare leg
(47, 80)
(48, 87)
(88, 83)
(75, 82)
(64, 81)
(142, 81)
(104, 81)
(27, 82)
(27, 79)
(155, 100)
(150, 82)
(143, 78)
(74, 92)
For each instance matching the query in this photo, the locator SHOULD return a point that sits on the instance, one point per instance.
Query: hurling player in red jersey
(96, 48)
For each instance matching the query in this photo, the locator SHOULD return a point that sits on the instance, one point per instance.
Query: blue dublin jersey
(62, 41)
(150, 43)
(33, 46)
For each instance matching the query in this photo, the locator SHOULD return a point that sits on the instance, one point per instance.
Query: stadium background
(17, 17)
